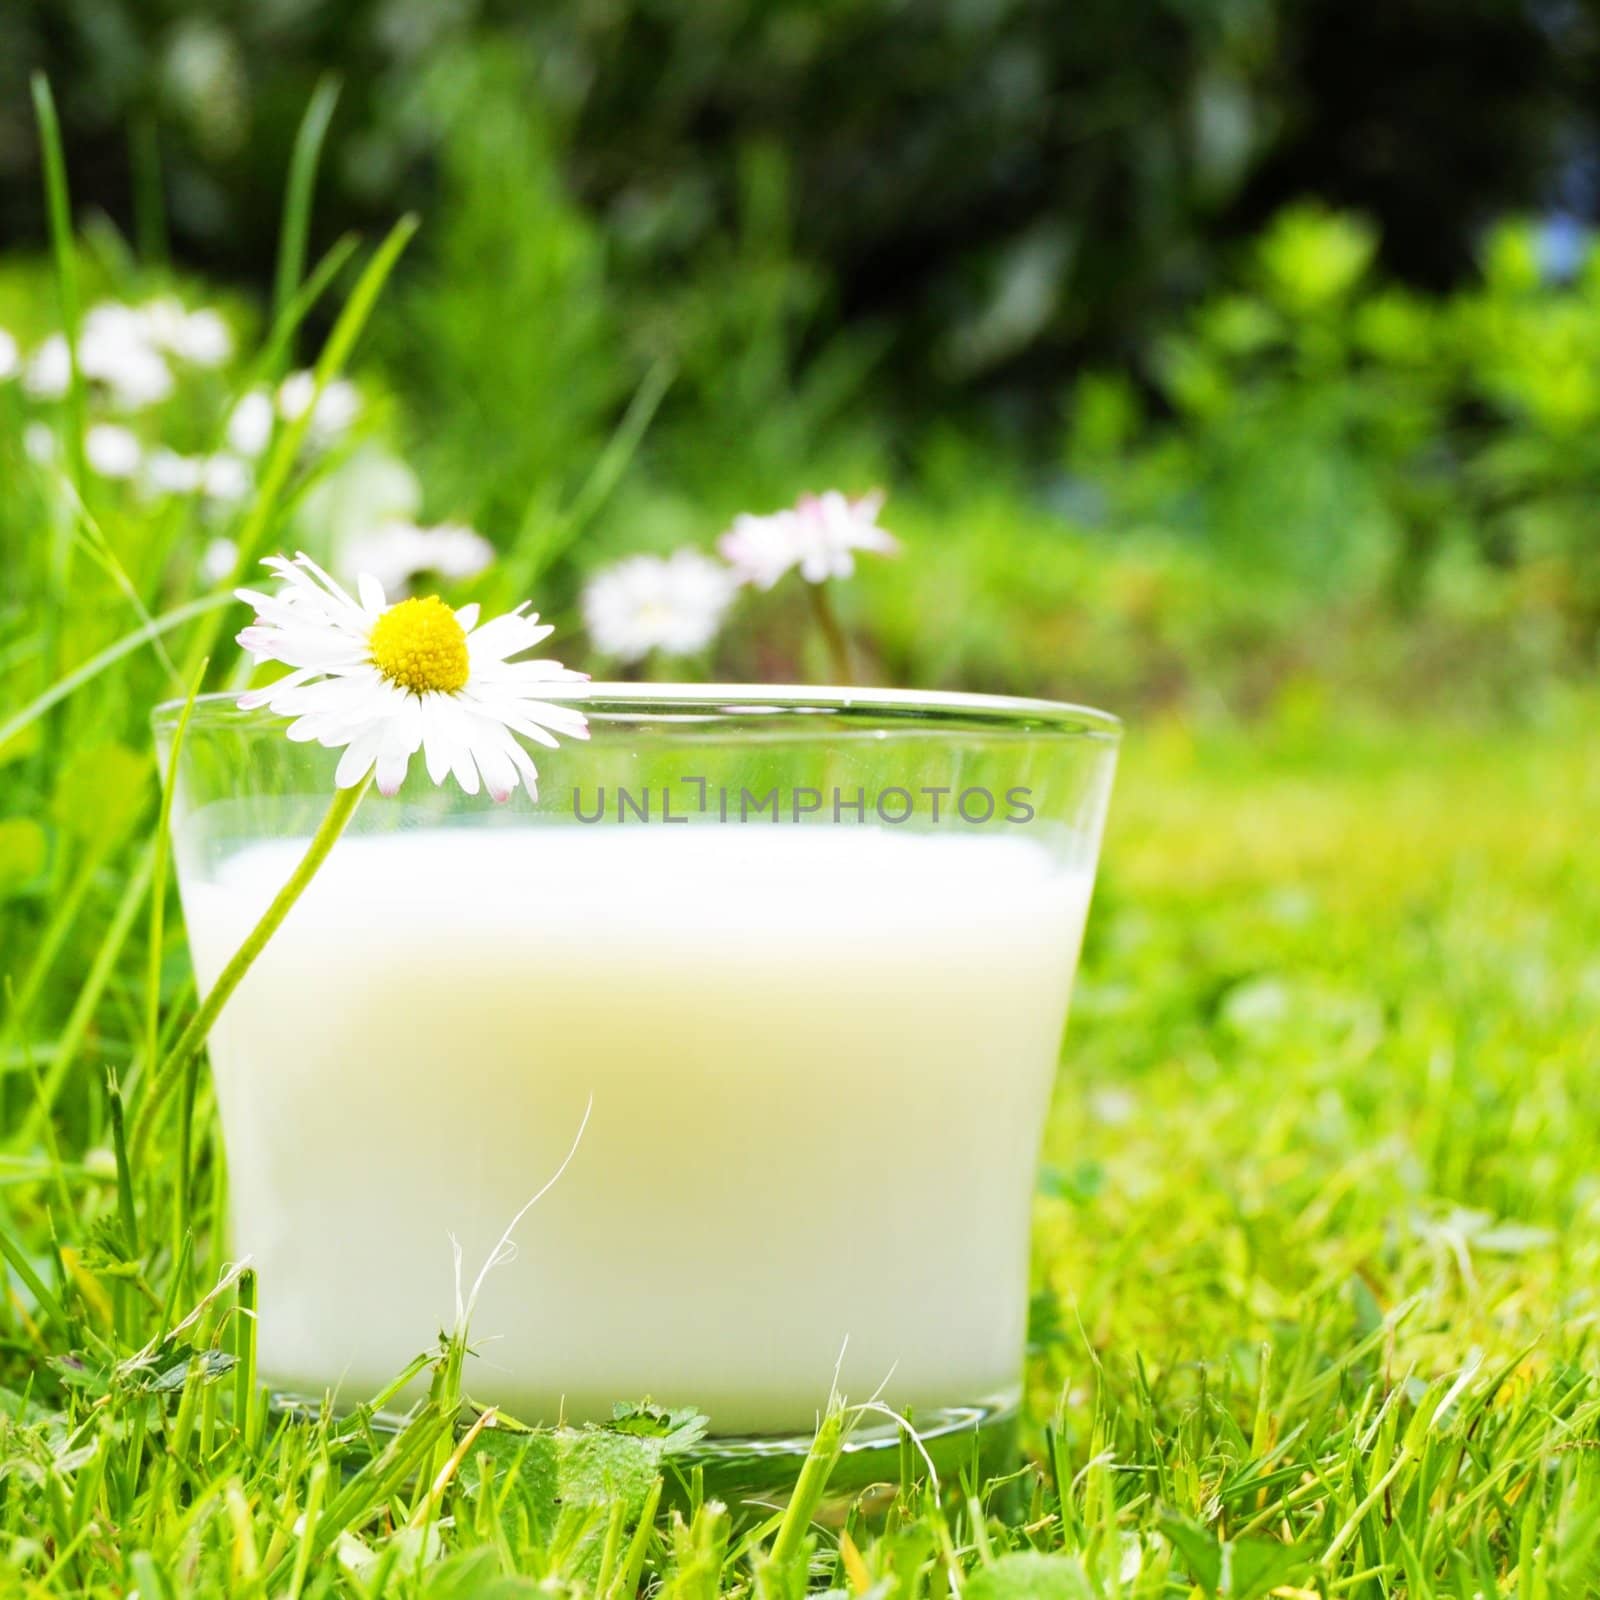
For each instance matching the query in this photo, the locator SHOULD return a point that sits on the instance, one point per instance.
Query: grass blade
(286, 446)
(63, 248)
(109, 657)
(299, 196)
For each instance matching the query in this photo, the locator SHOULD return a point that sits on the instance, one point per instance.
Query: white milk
(820, 1059)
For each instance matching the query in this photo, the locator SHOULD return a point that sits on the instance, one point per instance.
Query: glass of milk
(801, 956)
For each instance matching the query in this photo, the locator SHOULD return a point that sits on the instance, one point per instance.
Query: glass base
(977, 1440)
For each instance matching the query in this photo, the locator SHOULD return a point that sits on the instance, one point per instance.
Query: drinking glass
(797, 964)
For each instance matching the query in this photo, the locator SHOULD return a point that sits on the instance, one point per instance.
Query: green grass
(1317, 1249)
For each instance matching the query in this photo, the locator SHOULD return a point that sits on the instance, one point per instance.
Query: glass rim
(697, 704)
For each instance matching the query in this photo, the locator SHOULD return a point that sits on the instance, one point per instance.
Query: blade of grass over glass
(174, 1066)
(287, 442)
(158, 877)
(299, 196)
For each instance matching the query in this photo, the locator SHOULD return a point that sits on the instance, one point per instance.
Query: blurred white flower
(39, 442)
(114, 349)
(338, 406)
(10, 359)
(216, 477)
(112, 450)
(250, 423)
(397, 552)
(225, 478)
(49, 370)
(1113, 1106)
(820, 535)
(169, 473)
(202, 338)
(646, 603)
(1133, 1556)
(219, 559)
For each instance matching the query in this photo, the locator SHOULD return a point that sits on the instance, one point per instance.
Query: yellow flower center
(420, 645)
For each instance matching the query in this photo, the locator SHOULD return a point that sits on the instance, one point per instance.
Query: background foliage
(993, 184)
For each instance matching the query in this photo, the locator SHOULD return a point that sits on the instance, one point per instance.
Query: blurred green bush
(1316, 484)
(990, 186)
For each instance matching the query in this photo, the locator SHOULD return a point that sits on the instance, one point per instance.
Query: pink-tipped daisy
(383, 681)
(819, 534)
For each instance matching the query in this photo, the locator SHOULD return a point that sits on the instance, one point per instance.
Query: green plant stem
(833, 635)
(174, 1066)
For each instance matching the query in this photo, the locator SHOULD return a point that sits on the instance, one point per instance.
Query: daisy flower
(10, 359)
(820, 535)
(382, 681)
(396, 553)
(646, 603)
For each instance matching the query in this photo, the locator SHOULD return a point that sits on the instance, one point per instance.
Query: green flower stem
(187, 1049)
(827, 620)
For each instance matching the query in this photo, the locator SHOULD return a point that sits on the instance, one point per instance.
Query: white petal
(438, 747)
(499, 775)
(392, 764)
(505, 636)
(357, 760)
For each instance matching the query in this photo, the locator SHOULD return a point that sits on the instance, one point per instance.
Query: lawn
(1317, 1246)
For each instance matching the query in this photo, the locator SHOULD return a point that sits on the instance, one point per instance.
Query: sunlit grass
(1317, 1247)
